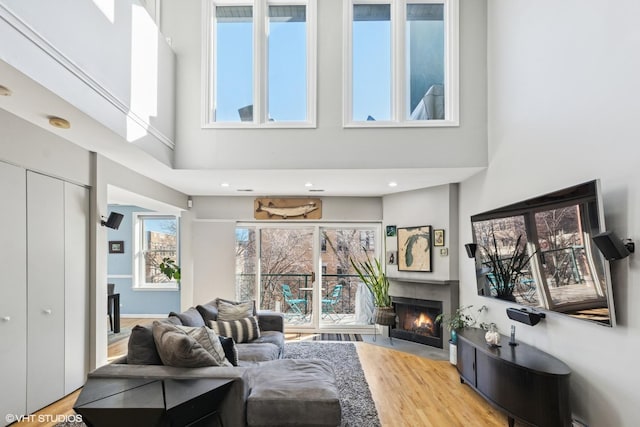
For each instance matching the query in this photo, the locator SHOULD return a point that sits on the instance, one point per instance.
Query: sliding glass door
(305, 272)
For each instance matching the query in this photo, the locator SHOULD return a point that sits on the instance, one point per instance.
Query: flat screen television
(539, 253)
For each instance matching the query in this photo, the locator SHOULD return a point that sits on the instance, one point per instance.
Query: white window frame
(399, 85)
(260, 65)
(139, 282)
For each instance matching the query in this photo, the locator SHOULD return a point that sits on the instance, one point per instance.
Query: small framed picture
(116, 246)
(391, 230)
(392, 258)
(438, 237)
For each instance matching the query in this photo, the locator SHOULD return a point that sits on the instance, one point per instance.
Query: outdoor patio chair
(297, 305)
(328, 305)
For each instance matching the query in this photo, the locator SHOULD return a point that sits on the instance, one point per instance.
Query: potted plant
(373, 276)
(170, 269)
(461, 318)
(505, 271)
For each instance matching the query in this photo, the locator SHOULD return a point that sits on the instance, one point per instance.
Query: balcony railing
(271, 289)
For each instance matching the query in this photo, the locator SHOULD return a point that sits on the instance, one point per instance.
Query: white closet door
(76, 227)
(13, 291)
(45, 293)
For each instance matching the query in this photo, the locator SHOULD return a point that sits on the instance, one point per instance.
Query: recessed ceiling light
(393, 184)
(224, 184)
(5, 91)
(59, 122)
(316, 190)
(246, 190)
(308, 184)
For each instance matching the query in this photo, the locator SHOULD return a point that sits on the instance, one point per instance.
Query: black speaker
(611, 246)
(525, 316)
(113, 221)
(471, 249)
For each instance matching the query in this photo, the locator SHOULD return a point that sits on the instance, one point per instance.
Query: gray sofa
(270, 346)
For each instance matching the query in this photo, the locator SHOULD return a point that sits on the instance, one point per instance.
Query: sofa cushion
(142, 348)
(242, 331)
(208, 312)
(235, 310)
(271, 337)
(250, 353)
(230, 349)
(188, 347)
(191, 317)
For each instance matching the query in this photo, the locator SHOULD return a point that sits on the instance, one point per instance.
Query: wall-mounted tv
(539, 253)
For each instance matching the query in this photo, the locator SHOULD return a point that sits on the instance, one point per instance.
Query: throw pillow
(142, 348)
(218, 300)
(188, 347)
(242, 330)
(191, 317)
(234, 311)
(208, 312)
(230, 350)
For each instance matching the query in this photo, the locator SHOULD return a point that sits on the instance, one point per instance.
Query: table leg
(116, 313)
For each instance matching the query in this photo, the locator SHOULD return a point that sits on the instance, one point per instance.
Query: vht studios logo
(43, 418)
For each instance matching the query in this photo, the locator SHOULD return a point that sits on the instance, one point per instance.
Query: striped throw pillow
(241, 330)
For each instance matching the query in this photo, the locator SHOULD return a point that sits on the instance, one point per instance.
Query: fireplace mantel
(428, 282)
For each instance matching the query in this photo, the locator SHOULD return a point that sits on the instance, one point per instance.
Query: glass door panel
(286, 273)
(345, 301)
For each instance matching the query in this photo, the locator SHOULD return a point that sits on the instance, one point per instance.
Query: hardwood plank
(408, 390)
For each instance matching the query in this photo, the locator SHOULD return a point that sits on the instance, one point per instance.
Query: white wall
(563, 104)
(213, 237)
(106, 58)
(329, 146)
(436, 207)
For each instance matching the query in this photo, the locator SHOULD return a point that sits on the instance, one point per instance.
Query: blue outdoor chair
(328, 305)
(293, 303)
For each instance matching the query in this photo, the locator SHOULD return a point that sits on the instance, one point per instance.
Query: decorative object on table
(391, 230)
(505, 271)
(116, 246)
(170, 269)
(392, 258)
(414, 248)
(462, 318)
(512, 338)
(294, 208)
(492, 336)
(372, 274)
(438, 237)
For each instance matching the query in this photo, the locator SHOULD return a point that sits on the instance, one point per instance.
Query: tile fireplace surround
(446, 291)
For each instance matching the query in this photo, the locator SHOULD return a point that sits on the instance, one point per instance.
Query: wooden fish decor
(297, 208)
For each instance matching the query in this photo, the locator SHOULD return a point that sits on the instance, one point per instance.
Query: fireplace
(417, 321)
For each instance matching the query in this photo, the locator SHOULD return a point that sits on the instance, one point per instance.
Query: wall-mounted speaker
(525, 316)
(471, 249)
(113, 221)
(612, 247)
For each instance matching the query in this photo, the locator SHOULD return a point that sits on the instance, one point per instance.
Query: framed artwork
(414, 248)
(116, 246)
(438, 237)
(391, 230)
(392, 258)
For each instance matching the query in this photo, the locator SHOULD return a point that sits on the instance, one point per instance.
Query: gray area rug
(358, 408)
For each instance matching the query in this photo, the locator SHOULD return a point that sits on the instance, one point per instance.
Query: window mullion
(398, 76)
(260, 12)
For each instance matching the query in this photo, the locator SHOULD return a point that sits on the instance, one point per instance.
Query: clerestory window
(260, 59)
(401, 59)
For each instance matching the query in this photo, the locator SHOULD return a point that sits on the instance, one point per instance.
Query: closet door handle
(47, 311)
(6, 318)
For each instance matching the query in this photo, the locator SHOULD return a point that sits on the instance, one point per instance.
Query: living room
(547, 99)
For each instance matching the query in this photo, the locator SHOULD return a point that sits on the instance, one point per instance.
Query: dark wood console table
(528, 384)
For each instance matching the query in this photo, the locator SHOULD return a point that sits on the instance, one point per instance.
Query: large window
(402, 67)
(155, 238)
(260, 57)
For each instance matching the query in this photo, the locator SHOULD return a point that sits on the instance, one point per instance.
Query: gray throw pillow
(234, 311)
(208, 312)
(219, 300)
(242, 330)
(191, 317)
(188, 347)
(142, 348)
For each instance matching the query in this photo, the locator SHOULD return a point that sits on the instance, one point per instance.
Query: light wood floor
(408, 390)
